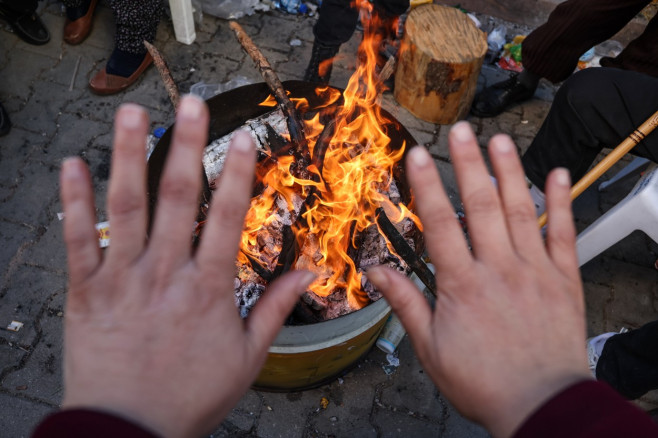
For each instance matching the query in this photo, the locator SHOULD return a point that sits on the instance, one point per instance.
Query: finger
(126, 202)
(178, 194)
(225, 221)
(441, 230)
(561, 232)
(266, 318)
(519, 210)
(484, 215)
(407, 303)
(80, 234)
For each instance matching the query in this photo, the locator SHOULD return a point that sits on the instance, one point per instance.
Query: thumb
(406, 301)
(266, 318)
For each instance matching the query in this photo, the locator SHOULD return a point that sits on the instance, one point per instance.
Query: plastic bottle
(290, 6)
(495, 43)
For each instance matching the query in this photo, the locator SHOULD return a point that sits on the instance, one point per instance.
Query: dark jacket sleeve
(79, 423)
(586, 410)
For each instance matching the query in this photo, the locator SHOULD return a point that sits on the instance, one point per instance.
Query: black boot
(500, 96)
(5, 124)
(319, 67)
(26, 24)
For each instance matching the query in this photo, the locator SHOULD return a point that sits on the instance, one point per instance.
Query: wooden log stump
(440, 60)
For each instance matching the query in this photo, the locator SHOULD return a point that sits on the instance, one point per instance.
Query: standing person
(552, 50)
(136, 22)
(24, 20)
(336, 23)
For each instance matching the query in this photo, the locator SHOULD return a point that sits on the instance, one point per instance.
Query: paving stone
(20, 416)
(14, 238)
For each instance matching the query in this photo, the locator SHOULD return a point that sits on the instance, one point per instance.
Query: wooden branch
(322, 144)
(403, 249)
(295, 126)
(165, 74)
(624, 147)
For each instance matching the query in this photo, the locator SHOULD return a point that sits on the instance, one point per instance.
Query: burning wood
(324, 178)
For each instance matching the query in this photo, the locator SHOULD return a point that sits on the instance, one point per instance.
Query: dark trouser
(337, 20)
(594, 109)
(629, 361)
(552, 50)
(136, 21)
(20, 6)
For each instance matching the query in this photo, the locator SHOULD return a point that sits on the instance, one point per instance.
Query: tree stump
(440, 59)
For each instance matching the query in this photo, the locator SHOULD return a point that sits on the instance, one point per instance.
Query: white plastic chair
(637, 211)
(183, 18)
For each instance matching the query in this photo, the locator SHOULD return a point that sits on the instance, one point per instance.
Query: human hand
(508, 329)
(152, 332)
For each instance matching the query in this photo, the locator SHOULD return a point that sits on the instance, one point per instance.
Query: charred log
(403, 249)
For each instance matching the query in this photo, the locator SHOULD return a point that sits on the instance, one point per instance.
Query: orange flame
(356, 173)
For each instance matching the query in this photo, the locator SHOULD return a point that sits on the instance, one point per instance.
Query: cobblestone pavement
(54, 116)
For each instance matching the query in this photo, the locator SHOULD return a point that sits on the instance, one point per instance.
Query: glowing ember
(336, 196)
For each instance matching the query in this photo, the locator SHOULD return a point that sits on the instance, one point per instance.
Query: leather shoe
(103, 83)
(76, 31)
(495, 99)
(27, 25)
(5, 124)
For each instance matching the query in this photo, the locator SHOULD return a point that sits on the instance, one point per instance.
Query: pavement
(54, 116)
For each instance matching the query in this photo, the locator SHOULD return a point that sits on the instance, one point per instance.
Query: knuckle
(482, 201)
(124, 204)
(179, 190)
(520, 213)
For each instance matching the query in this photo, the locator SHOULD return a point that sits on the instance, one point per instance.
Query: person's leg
(335, 26)
(552, 50)
(79, 18)
(594, 109)
(24, 21)
(641, 54)
(629, 361)
(136, 22)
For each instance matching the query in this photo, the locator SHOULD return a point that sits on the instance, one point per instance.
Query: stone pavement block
(276, 32)
(19, 416)
(64, 72)
(11, 354)
(14, 239)
(47, 250)
(42, 110)
(30, 202)
(285, 420)
(597, 297)
(399, 424)
(456, 426)
(19, 76)
(225, 44)
(41, 376)
(75, 134)
(26, 297)
(17, 148)
(243, 416)
(92, 107)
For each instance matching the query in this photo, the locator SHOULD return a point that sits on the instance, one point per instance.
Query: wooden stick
(624, 147)
(294, 121)
(165, 74)
(404, 250)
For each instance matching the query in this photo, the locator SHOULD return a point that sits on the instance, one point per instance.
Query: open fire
(320, 209)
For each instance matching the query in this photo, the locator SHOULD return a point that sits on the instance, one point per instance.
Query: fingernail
(462, 131)
(562, 177)
(241, 142)
(376, 275)
(190, 107)
(419, 156)
(504, 145)
(130, 116)
(71, 168)
(306, 279)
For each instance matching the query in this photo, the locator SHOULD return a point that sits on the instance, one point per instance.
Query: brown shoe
(76, 31)
(104, 83)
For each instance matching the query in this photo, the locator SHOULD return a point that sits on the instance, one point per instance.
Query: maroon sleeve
(586, 410)
(83, 423)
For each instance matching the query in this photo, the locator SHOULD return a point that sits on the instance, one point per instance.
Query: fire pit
(305, 355)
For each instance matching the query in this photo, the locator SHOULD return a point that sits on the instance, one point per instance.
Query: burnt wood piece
(294, 121)
(259, 269)
(275, 142)
(403, 249)
(165, 74)
(287, 254)
(322, 144)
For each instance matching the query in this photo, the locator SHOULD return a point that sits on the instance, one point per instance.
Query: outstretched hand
(152, 332)
(508, 329)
